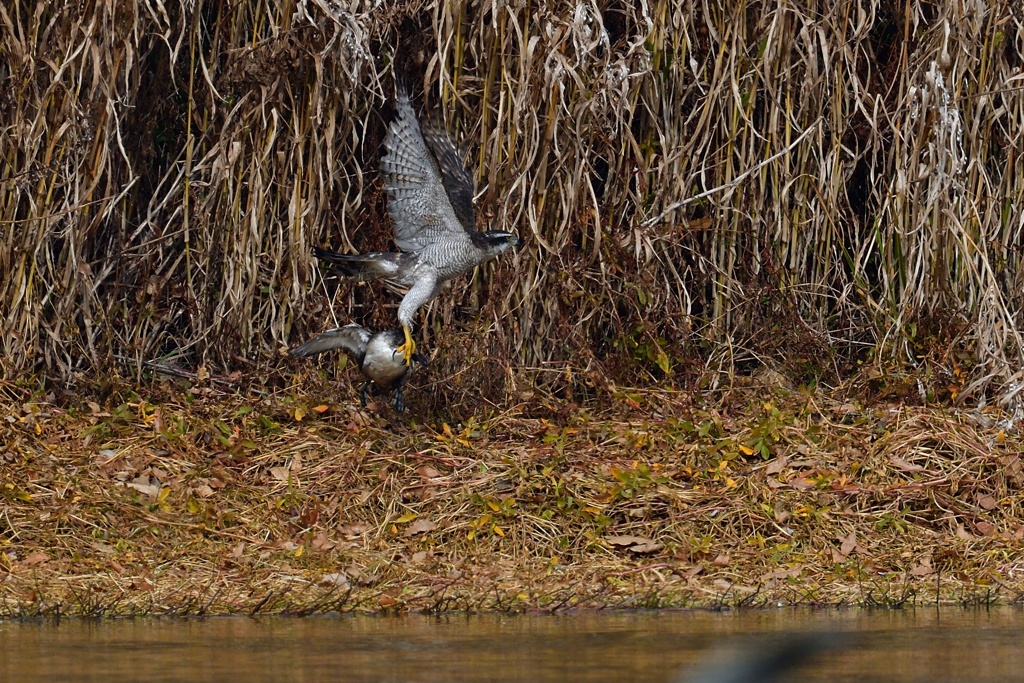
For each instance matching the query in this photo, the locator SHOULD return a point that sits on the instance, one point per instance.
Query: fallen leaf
(420, 526)
(625, 540)
(334, 579)
(354, 529)
(300, 412)
(204, 491)
(645, 548)
(321, 408)
(801, 484)
(785, 573)
(849, 544)
(904, 465)
(722, 561)
(985, 528)
(36, 558)
(635, 544)
(988, 502)
(777, 465)
(781, 514)
(921, 569)
(142, 485)
(280, 473)
(321, 542)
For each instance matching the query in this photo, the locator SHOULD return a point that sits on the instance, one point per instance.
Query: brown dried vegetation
(193, 501)
(689, 179)
(736, 198)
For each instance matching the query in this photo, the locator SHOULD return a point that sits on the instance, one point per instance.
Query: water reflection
(907, 645)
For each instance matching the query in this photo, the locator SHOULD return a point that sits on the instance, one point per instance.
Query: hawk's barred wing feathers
(417, 199)
(457, 180)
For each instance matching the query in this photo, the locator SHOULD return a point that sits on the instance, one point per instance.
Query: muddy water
(907, 645)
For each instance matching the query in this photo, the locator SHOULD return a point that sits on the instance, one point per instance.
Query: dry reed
(730, 181)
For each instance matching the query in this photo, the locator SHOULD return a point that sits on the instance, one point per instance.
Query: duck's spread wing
(351, 339)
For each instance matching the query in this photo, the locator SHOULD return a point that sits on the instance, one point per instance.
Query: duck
(378, 355)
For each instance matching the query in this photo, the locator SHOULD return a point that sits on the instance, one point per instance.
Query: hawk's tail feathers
(361, 266)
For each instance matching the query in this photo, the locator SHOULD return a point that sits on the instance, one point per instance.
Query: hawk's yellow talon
(408, 348)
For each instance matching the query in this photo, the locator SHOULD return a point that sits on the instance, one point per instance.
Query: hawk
(375, 355)
(430, 200)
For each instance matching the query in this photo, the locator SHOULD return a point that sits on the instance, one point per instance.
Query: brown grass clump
(680, 172)
(205, 500)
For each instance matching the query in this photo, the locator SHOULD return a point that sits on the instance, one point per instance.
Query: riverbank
(214, 500)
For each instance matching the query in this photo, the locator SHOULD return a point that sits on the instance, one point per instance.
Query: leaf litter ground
(178, 500)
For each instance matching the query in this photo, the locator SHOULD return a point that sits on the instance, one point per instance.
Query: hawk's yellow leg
(408, 348)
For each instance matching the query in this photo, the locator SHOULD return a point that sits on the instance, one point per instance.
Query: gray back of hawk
(430, 201)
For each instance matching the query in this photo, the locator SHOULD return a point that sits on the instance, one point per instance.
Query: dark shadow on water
(694, 647)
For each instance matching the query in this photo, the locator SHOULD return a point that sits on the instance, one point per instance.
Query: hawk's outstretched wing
(418, 200)
(457, 180)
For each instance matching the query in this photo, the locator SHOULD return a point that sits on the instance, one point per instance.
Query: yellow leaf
(746, 450)
(298, 553)
(494, 506)
(523, 596)
(407, 517)
(663, 361)
(394, 529)
(729, 483)
(164, 492)
(1001, 437)
(300, 412)
(497, 529)
(470, 535)
(321, 409)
